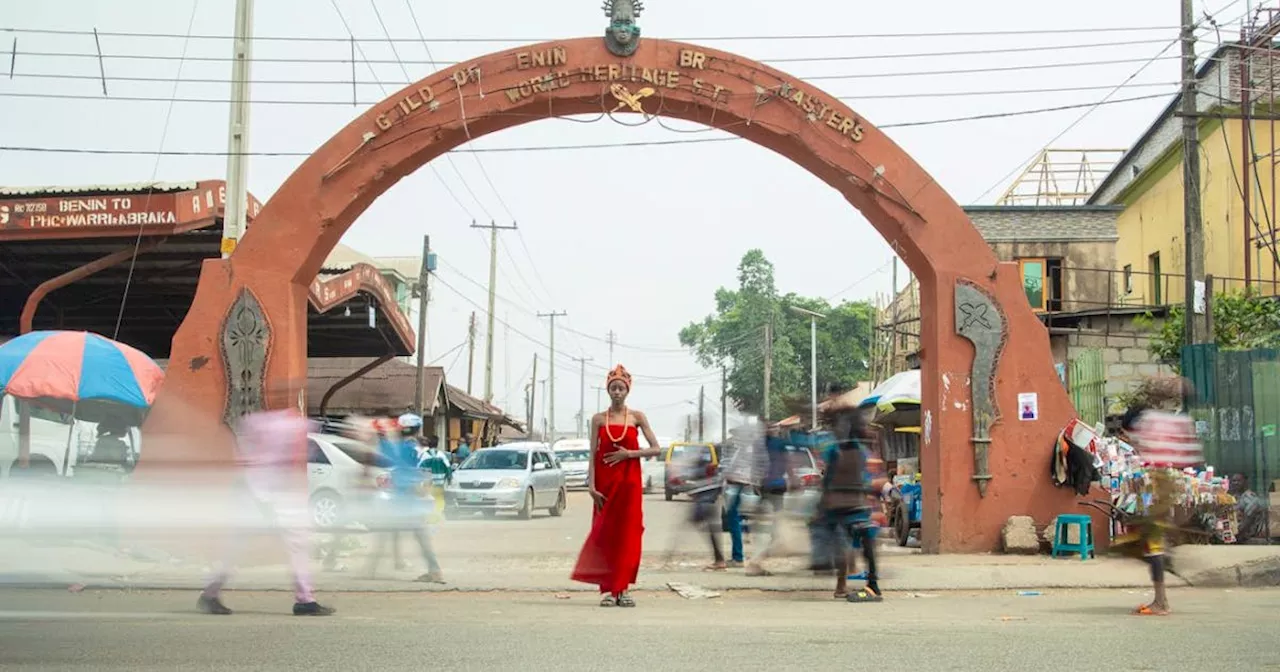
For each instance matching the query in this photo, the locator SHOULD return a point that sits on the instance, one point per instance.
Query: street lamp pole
(813, 363)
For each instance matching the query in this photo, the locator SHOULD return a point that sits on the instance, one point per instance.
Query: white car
(574, 456)
(519, 477)
(57, 441)
(344, 478)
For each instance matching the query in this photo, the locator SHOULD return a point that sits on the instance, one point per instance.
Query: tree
(1242, 320)
(734, 337)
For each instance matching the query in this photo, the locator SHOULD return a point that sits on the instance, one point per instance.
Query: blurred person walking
(272, 449)
(779, 474)
(408, 509)
(1165, 438)
(610, 556)
(742, 471)
(853, 477)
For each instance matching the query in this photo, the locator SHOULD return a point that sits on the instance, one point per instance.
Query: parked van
(51, 433)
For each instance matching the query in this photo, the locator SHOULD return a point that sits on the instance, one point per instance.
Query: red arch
(303, 221)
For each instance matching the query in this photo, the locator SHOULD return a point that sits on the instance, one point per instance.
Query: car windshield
(362, 453)
(573, 455)
(497, 459)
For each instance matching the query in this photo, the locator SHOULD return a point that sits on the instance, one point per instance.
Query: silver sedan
(513, 477)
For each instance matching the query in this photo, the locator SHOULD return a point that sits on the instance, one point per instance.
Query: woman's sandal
(1148, 610)
(865, 595)
(841, 595)
(608, 601)
(624, 600)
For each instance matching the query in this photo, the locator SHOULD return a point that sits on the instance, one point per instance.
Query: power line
(704, 38)
(345, 103)
(356, 44)
(563, 356)
(155, 170)
(484, 173)
(607, 145)
(1105, 99)
(781, 59)
(371, 62)
(529, 311)
(409, 78)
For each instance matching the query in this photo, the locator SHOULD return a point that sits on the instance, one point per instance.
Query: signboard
(110, 214)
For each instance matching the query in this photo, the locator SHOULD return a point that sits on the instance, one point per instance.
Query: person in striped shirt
(1166, 442)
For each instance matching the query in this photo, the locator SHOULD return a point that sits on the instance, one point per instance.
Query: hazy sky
(630, 239)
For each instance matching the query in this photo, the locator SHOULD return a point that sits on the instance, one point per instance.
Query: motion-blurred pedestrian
(272, 449)
(408, 510)
(845, 507)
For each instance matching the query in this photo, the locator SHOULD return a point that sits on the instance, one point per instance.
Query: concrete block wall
(1126, 357)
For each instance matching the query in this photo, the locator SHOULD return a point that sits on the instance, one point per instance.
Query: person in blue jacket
(408, 509)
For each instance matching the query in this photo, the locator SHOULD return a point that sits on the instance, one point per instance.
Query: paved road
(1212, 630)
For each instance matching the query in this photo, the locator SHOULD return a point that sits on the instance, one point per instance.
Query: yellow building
(1148, 183)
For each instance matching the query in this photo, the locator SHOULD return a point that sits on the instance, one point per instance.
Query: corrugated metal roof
(96, 188)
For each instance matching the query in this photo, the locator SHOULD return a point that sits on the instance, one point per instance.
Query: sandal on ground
(431, 577)
(865, 595)
(715, 567)
(733, 564)
(841, 595)
(608, 601)
(1148, 610)
(624, 600)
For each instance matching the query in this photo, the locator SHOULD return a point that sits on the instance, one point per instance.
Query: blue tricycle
(906, 512)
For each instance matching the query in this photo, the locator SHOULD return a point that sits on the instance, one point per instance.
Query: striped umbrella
(93, 377)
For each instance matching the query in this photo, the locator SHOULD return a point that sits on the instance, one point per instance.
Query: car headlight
(509, 483)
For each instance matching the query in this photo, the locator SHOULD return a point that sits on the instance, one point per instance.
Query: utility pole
(1192, 229)
(424, 298)
(546, 433)
(582, 396)
(533, 393)
(724, 403)
(493, 286)
(768, 365)
(893, 330)
(612, 340)
(506, 359)
(551, 400)
(528, 409)
(235, 216)
(702, 398)
(471, 351)
(813, 362)
(598, 390)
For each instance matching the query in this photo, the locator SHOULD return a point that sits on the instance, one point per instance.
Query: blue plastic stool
(1060, 536)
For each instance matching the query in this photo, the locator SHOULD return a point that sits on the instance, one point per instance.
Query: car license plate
(470, 498)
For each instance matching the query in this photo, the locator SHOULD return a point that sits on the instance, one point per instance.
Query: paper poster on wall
(1029, 406)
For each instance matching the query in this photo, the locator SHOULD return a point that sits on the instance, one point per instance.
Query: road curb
(1262, 573)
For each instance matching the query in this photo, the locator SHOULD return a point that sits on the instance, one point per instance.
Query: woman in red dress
(610, 556)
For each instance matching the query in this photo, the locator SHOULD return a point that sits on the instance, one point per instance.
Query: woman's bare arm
(642, 421)
(595, 445)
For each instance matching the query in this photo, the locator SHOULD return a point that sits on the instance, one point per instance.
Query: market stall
(1204, 509)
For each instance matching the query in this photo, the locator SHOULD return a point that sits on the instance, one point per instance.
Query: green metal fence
(1237, 410)
(1088, 383)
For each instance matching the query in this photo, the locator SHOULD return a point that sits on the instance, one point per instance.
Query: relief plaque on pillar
(980, 320)
(244, 341)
